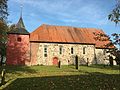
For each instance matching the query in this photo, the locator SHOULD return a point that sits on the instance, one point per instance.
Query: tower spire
(21, 7)
(20, 23)
(20, 27)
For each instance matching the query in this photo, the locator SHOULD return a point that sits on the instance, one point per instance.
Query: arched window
(45, 51)
(72, 50)
(60, 49)
(83, 50)
(19, 39)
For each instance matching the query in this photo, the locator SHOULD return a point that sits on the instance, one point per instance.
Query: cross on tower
(21, 6)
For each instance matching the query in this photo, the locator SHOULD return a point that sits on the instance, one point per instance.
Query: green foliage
(3, 10)
(111, 42)
(3, 38)
(115, 17)
(116, 38)
(115, 14)
(3, 28)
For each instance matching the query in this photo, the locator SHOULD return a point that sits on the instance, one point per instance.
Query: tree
(111, 41)
(3, 40)
(3, 10)
(116, 39)
(3, 28)
(114, 16)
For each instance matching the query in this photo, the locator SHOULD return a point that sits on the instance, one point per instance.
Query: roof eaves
(61, 42)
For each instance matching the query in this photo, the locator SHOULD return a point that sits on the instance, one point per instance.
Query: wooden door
(55, 61)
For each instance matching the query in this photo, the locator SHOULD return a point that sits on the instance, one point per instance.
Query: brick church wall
(18, 51)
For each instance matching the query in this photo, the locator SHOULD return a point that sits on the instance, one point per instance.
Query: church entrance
(55, 61)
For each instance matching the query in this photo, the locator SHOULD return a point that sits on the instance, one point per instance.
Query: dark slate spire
(20, 27)
(20, 23)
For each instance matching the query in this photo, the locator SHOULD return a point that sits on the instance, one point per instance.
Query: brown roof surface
(66, 34)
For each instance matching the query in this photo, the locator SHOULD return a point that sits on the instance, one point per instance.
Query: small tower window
(72, 50)
(19, 39)
(83, 50)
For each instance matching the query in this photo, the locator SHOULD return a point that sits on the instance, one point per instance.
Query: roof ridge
(71, 27)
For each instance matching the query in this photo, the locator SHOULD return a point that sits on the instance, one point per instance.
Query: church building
(49, 44)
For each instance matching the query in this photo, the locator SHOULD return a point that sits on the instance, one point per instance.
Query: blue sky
(77, 13)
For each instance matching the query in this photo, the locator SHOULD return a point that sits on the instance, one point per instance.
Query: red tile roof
(66, 34)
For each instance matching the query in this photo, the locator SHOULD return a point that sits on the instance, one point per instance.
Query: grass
(95, 77)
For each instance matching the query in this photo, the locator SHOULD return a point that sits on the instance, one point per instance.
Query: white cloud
(76, 11)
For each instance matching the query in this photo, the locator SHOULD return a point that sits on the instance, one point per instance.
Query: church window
(83, 50)
(72, 51)
(60, 49)
(19, 39)
(45, 51)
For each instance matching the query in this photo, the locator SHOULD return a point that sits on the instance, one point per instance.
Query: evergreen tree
(3, 40)
(3, 28)
(3, 10)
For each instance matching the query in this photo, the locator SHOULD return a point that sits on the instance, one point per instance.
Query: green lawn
(95, 77)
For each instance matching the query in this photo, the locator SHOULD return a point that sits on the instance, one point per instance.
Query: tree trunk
(3, 77)
(1, 60)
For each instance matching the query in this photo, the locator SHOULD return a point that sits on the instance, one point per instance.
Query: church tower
(18, 46)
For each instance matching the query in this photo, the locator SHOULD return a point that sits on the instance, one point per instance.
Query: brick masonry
(18, 52)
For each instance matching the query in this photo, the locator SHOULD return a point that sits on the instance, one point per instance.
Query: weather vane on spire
(20, 23)
(21, 6)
